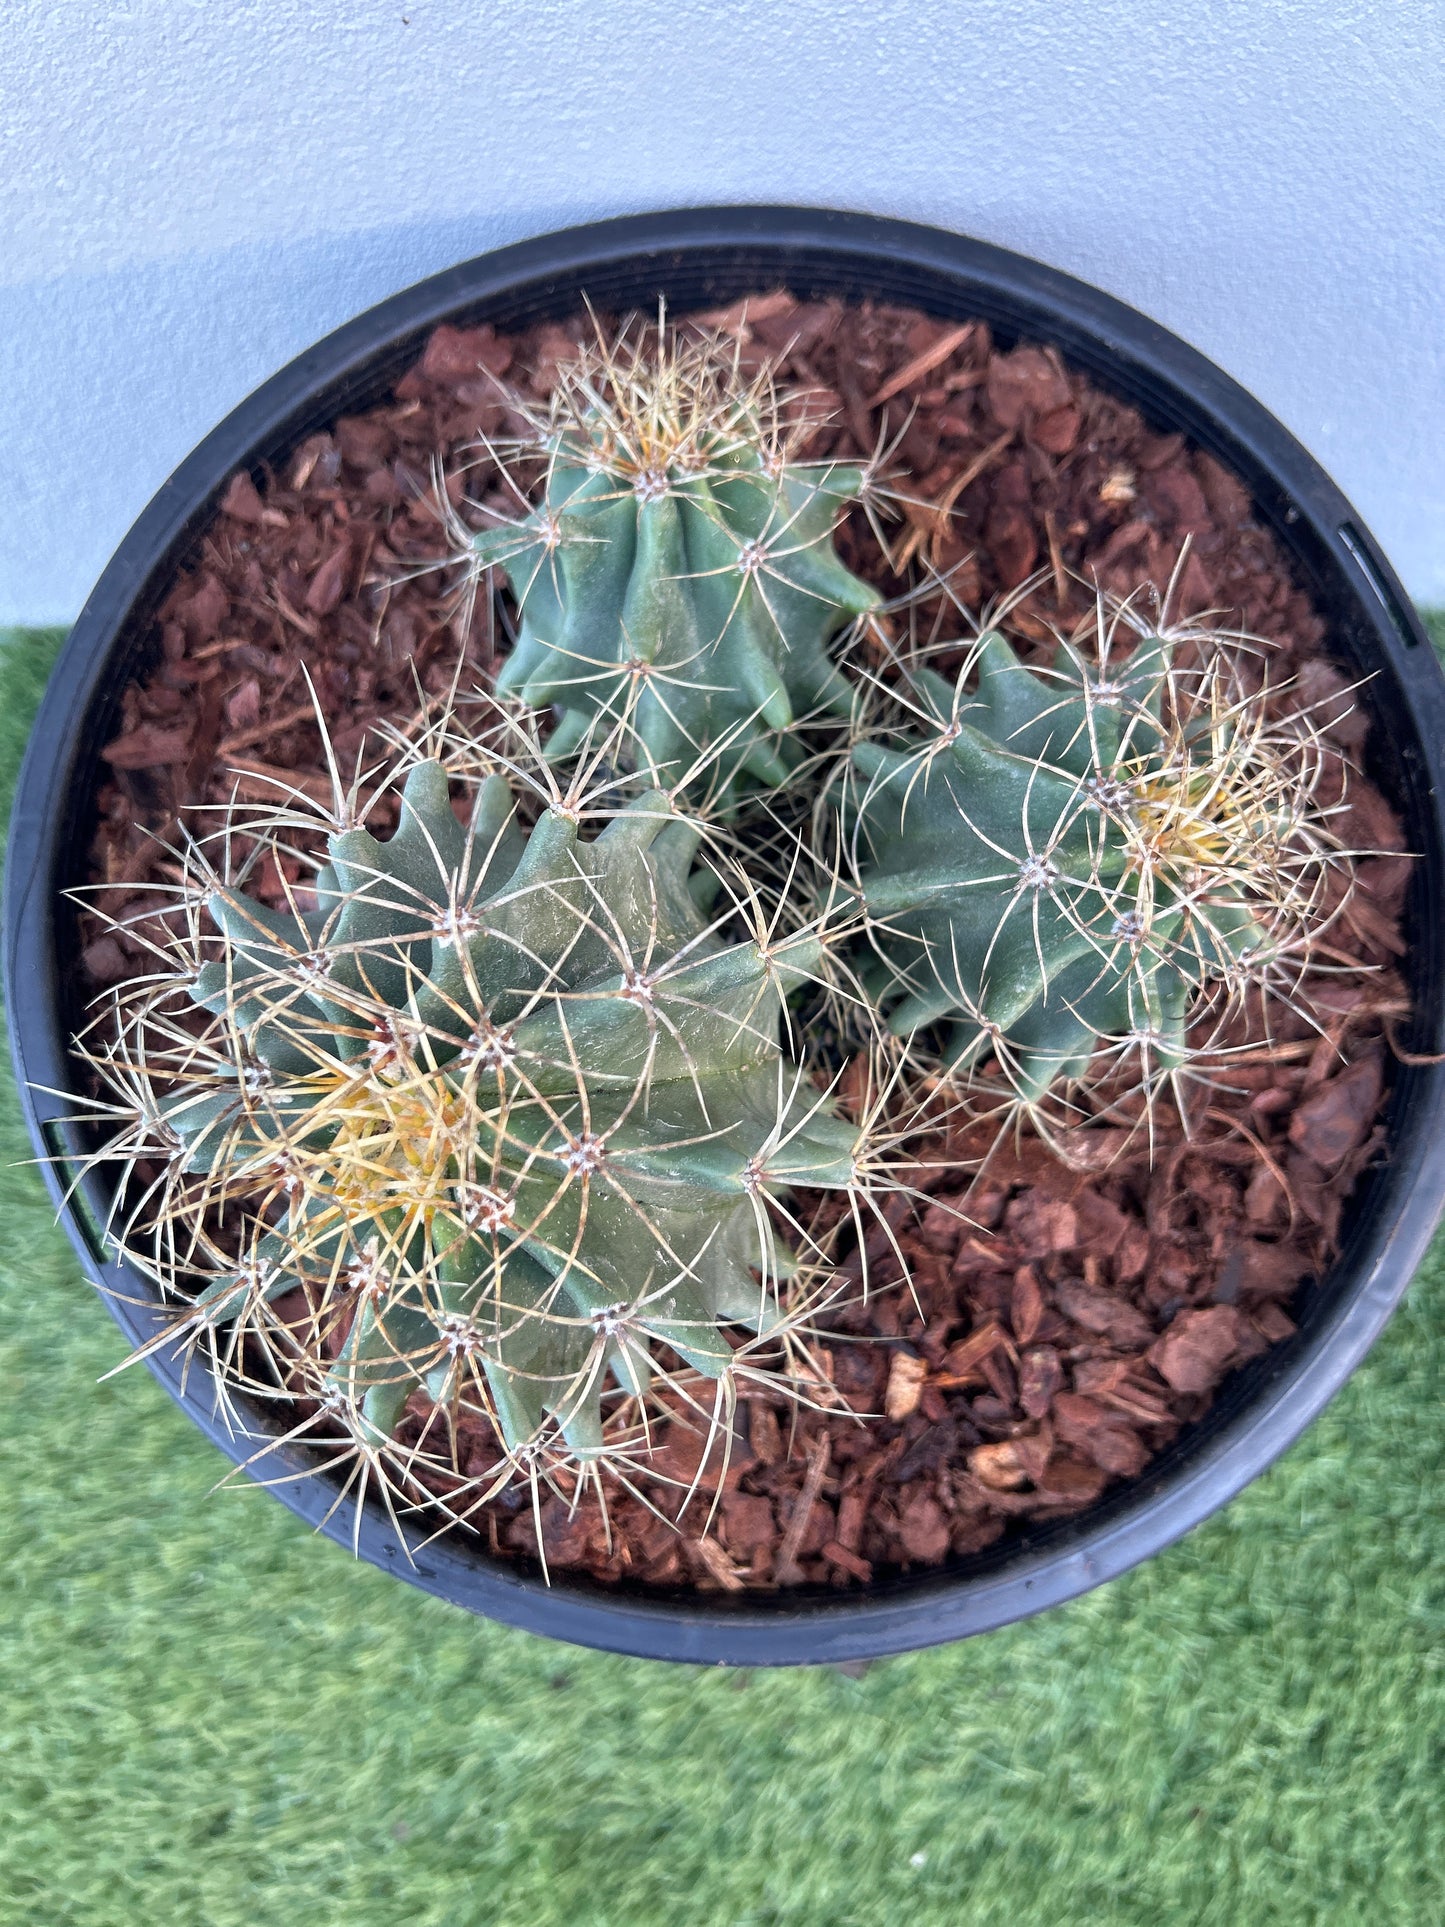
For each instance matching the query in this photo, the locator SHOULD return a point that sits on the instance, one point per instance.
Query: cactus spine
(503, 1102)
(1074, 855)
(679, 571)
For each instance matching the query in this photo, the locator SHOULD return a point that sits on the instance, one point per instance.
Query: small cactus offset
(679, 571)
(1087, 854)
(505, 1104)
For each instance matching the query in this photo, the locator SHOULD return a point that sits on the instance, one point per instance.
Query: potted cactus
(545, 1105)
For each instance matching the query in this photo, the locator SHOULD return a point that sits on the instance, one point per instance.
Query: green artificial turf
(209, 1718)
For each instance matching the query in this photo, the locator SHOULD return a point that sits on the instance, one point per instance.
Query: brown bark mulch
(1066, 1327)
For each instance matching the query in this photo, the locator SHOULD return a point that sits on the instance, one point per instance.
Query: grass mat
(212, 1719)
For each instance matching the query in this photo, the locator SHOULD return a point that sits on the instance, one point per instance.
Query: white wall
(191, 190)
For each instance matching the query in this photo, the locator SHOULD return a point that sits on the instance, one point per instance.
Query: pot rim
(700, 256)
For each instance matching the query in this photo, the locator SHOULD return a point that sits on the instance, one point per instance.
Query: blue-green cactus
(679, 571)
(1065, 857)
(504, 1103)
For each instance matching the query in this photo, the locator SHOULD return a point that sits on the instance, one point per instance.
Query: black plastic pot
(697, 258)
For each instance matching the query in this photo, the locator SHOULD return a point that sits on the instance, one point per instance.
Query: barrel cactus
(678, 574)
(502, 1114)
(1087, 853)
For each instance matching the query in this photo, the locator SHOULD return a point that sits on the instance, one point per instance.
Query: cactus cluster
(1054, 860)
(499, 1116)
(504, 1102)
(679, 569)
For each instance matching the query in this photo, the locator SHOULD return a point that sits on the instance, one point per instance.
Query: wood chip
(734, 319)
(1328, 1125)
(905, 1385)
(998, 1466)
(961, 1362)
(717, 1563)
(923, 364)
(148, 747)
(1193, 1353)
(764, 1433)
(930, 519)
(1103, 1312)
(288, 719)
(272, 783)
(850, 1561)
(303, 623)
(786, 1570)
(329, 582)
(1041, 1374)
(1026, 1304)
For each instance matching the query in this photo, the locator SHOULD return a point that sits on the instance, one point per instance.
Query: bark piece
(688, 1455)
(998, 1465)
(1328, 1125)
(1041, 1374)
(1025, 383)
(1099, 1434)
(747, 1522)
(905, 1385)
(1040, 1224)
(457, 354)
(851, 1562)
(241, 500)
(787, 1570)
(150, 746)
(329, 582)
(1103, 1312)
(923, 1530)
(1194, 1352)
(963, 1362)
(764, 1433)
(1026, 1304)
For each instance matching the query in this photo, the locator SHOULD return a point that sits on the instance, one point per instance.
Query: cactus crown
(679, 569)
(503, 1113)
(1063, 857)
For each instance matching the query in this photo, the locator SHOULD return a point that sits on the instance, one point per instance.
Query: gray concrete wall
(191, 190)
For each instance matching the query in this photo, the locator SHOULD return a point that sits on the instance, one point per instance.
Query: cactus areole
(679, 573)
(505, 1104)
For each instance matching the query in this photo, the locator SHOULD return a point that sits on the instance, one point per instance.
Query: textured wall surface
(192, 190)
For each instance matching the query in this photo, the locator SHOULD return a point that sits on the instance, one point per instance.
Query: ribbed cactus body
(1061, 860)
(508, 1106)
(686, 581)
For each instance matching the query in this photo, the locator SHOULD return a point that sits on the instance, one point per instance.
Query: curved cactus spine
(679, 569)
(1071, 856)
(503, 1102)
